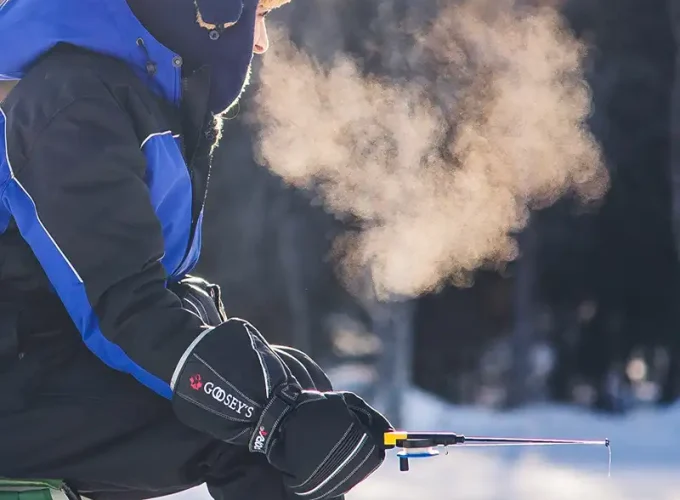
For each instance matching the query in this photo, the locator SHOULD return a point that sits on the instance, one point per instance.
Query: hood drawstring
(151, 66)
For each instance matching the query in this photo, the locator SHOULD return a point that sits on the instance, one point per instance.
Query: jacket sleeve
(80, 200)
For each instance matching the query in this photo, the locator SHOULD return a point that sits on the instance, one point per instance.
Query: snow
(645, 457)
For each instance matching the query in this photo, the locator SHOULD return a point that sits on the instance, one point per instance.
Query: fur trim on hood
(272, 4)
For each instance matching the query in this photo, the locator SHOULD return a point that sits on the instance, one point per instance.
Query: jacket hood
(218, 34)
(30, 28)
(162, 32)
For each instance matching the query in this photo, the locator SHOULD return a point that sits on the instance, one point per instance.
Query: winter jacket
(104, 166)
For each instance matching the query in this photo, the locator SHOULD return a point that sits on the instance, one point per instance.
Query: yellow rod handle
(391, 438)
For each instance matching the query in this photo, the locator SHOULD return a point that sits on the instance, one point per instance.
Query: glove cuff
(225, 380)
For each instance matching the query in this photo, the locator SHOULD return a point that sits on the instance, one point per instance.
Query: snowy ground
(645, 452)
(645, 457)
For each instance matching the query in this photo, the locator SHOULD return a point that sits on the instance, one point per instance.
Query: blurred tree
(621, 259)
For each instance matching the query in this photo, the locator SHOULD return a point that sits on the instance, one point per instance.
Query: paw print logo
(196, 382)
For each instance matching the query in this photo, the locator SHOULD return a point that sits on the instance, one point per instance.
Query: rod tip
(606, 443)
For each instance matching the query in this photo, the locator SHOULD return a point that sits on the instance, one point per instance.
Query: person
(120, 372)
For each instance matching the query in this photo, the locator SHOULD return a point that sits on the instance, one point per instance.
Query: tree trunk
(523, 332)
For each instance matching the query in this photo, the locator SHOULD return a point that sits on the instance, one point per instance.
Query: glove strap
(284, 400)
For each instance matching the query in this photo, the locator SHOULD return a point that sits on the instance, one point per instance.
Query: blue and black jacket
(104, 163)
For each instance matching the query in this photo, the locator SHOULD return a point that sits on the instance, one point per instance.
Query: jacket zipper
(206, 140)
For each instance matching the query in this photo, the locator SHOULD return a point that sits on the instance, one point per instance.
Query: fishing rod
(425, 444)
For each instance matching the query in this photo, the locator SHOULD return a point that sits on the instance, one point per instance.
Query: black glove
(328, 444)
(309, 375)
(233, 385)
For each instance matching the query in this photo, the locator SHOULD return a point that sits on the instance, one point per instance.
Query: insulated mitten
(233, 385)
(227, 378)
(307, 372)
(330, 443)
